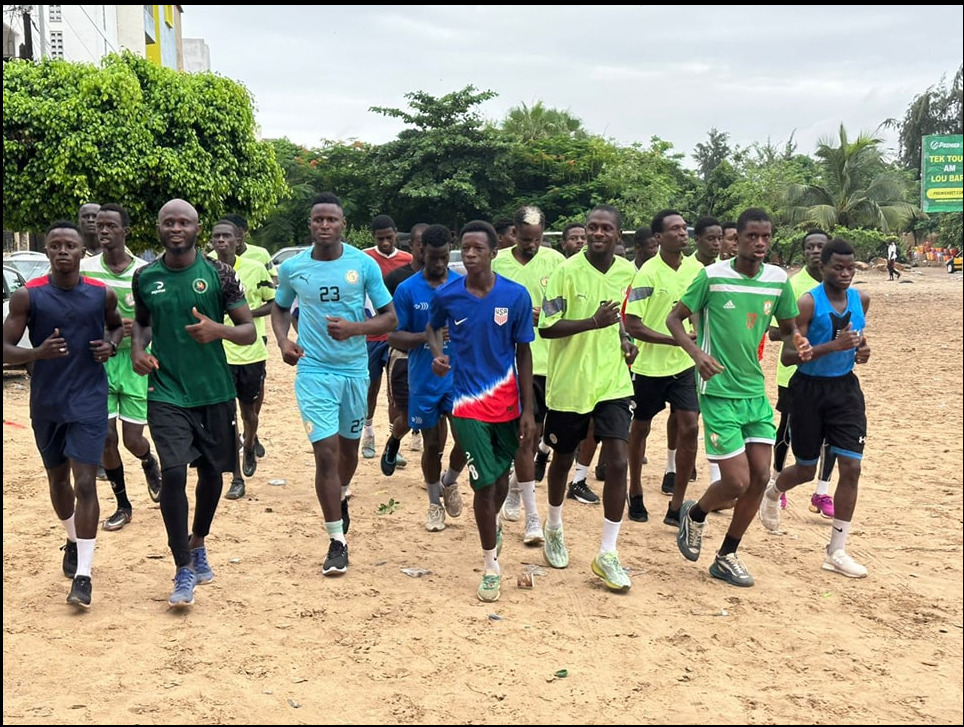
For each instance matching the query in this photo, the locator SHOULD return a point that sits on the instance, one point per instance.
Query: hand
(440, 365)
(144, 363)
(101, 350)
(205, 330)
(128, 326)
(804, 349)
(606, 314)
(54, 346)
(847, 338)
(291, 352)
(340, 329)
(707, 365)
(630, 351)
(863, 352)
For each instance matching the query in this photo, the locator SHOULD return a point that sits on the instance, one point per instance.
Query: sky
(628, 72)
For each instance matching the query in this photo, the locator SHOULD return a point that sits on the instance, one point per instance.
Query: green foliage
(950, 230)
(133, 133)
(529, 123)
(938, 110)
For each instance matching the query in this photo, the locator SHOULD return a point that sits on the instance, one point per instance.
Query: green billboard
(941, 173)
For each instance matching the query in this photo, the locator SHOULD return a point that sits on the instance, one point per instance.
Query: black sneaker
(249, 463)
(152, 471)
(672, 516)
(669, 483)
(236, 490)
(580, 491)
(337, 561)
(80, 592)
(637, 510)
(388, 462)
(345, 519)
(601, 472)
(70, 558)
(118, 520)
(258, 448)
(542, 459)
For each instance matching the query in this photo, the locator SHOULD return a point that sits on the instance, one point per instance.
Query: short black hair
(572, 226)
(436, 236)
(61, 225)
(613, 211)
(111, 207)
(642, 235)
(238, 221)
(704, 222)
(751, 214)
(327, 198)
(657, 224)
(815, 231)
(837, 246)
(501, 225)
(382, 222)
(227, 220)
(479, 226)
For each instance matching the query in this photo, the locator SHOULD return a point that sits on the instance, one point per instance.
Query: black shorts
(564, 430)
(652, 393)
(540, 409)
(830, 409)
(398, 379)
(81, 442)
(783, 399)
(247, 380)
(185, 436)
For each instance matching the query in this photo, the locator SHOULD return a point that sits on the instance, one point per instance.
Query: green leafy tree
(938, 110)
(714, 152)
(134, 133)
(529, 123)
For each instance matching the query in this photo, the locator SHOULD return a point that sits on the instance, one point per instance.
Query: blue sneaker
(183, 593)
(202, 569)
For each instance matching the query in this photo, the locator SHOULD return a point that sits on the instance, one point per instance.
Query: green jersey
(655, 290)
(258, 290)
(802, 282)
(191, 374)
(733, 314)
(120, 283)
(534, 277)
(589, 367)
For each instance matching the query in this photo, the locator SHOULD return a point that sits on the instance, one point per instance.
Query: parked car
(286, 252)
(28, 263)
(12, 279)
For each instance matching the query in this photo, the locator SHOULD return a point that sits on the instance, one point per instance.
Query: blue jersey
(824, 327)
(483, 333)
(73, 388)
(335, 288)
(413, 298)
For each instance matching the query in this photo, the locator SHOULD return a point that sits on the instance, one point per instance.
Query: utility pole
(42, 20)
(26, 48)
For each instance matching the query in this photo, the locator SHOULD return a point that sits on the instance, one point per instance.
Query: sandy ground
(272, 641)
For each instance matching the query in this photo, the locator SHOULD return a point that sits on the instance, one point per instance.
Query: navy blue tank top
(73, 388)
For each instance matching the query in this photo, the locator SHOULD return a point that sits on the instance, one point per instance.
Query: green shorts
(489, 448)
(730, 424)
(126, 390)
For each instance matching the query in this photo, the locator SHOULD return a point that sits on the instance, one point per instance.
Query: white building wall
(130, 28)
(197, 55)
(89, 31)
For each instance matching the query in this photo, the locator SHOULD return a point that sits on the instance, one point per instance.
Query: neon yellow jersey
(534, 277)
(258, 290)
(258, 254)
(655, 290)
(801, 282)
(589, 367)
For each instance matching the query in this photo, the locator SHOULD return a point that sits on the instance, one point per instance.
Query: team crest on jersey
(308, 427)
(545, 281)
(129, 300)
(750, 320)
(501, 316)
(767, 307)
(351, 276)
(199, 285)
(714, 438)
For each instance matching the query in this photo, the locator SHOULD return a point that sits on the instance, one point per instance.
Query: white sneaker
(512, 507)
(839, 561)
(435, 521)
(368, 445)
(770, 513)
(533, 534)
(452, 499)
(415, 442)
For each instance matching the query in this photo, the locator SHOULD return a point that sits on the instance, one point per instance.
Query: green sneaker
(491, 587)
(606, 566)
(554, 548)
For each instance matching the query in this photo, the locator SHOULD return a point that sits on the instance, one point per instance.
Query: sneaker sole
(551, 564)
(334, 571)
(609, 584)
(583, 500)
(435, 528)
(725, 576)
(180, 604)
(106, 525)
(821, 513)
(205, 581)
(489, 600)
(77, 603)
(834, 569)
(534, 539)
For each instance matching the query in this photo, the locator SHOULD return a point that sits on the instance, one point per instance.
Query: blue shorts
(331, 404)
(424, 412)
(377, 359)
(81, 442)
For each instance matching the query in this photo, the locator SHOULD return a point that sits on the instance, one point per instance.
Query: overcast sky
(629, 72)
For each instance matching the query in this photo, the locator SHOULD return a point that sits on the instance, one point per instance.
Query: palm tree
(855, 188)
(538, 122)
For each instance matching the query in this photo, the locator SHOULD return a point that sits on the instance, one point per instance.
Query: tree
(855, 188)
(714, 152)
(527, 124)
(133, 133)
(936, 111)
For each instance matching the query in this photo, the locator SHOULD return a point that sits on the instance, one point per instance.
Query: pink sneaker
(822, 504)
(783, 501)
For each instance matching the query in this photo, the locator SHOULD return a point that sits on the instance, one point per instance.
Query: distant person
(74, 329)
(505, 229)
(709, 237)
(180, 301)
(892, 260)
(87, 220)
(645, 246)
(728, 245)
(573, 238)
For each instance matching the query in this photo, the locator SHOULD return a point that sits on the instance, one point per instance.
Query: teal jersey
(588, 367)
(733, 314)
(120, 283)
(534, 277)
(802, 282)
(335, 288)
(655, 291)
(191, 374)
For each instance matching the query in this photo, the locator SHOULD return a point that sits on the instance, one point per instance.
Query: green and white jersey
(588, 367)
(258, 289)
(655, 290)
(802, 282)
(534, 277)
(733, 314)
(120, 283)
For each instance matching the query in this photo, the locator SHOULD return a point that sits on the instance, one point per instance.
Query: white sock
(715, 472)
(838, 535)
(369, 428)
(529, 497)
(671, 460)
(554, 520)
(543, 447)
(490, 562)
(581, 473)
(85, 555)
(336, 530)
(71, 528)
(610, 534)
(344, 491)
(823, 487)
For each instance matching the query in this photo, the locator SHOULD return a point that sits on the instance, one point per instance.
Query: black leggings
(827, 458)
(174, 507)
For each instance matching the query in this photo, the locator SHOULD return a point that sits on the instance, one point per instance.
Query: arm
(705, 364)
(206, 330)
(435, 339)
(106, 347)
(383, 321)
(796, 349)
(280, 325)
(141, 335)
(406, 340)
(641, 332)
(54, 346)
(606, 315)
(262, 310)
(523, 359)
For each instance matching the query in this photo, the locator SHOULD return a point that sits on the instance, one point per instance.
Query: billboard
(941, 173)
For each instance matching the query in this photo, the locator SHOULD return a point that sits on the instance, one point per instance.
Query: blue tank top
(73, 388)
(824, 327)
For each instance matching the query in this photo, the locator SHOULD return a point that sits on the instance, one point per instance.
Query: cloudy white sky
(629, 72)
